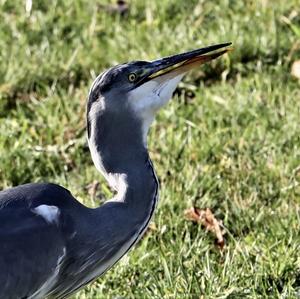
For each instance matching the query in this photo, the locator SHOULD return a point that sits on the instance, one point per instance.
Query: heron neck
(119, 153)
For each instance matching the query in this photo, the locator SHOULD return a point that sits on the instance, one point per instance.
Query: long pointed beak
(182, 63)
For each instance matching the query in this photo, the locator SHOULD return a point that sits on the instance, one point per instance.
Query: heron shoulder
(36, 194)
(49, 213)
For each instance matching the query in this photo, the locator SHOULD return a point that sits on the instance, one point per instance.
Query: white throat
(148, 98)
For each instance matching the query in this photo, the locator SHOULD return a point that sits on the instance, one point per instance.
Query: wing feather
(30, 253)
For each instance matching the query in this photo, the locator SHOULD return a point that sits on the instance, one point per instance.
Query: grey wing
(31, 250)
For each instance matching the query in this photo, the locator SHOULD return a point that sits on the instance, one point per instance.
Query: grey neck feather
(118, 151)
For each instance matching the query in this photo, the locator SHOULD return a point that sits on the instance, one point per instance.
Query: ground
(228, 141)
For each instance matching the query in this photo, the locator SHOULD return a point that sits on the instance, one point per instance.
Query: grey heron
(50, 244)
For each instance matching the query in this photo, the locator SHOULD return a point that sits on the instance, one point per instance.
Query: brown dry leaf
(206, 218)
(295, 71)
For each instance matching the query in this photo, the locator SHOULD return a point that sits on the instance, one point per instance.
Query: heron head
(140, 88)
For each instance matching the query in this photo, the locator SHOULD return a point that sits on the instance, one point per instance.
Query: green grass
(229, 140)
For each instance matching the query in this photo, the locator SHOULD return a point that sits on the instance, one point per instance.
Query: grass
(229, 140)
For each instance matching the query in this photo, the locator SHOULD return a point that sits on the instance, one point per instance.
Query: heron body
(50, 244)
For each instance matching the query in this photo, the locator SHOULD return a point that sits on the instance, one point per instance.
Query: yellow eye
(132, 77)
